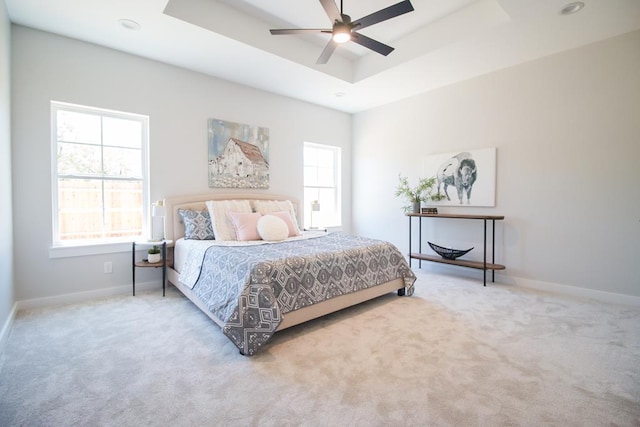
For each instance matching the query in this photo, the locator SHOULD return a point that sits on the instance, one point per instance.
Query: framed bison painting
(465, 178)
(238, 155)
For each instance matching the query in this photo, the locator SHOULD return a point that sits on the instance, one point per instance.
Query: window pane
(79, 209)
(122, 162)
(79, 159)
(78, 127)
(325, 177)
(327, 215)
(310, 194)
(325, 159)
(123, 208)
(327, 198)
(310, 176)
(122, 132)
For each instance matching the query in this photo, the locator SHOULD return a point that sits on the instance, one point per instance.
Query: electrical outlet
(108, 267)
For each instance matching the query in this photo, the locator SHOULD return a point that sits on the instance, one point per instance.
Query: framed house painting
(465, 178)
(238, 155)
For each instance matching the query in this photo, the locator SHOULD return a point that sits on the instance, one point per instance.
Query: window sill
(90, 249)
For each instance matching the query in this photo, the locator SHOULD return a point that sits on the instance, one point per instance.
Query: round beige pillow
(272, 228)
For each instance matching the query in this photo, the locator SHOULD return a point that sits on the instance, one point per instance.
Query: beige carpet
(453, 354)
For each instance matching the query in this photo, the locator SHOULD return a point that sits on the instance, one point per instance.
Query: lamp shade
(157, 221)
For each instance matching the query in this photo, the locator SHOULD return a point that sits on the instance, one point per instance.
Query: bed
(256, 288)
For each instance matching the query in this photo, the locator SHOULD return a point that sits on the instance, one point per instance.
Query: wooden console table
(480, 265)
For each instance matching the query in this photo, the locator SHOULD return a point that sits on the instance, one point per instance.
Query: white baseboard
(84, 296)
(555, 288)
(6, 328)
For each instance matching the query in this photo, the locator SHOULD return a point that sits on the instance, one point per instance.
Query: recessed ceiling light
(340, 94)
(572, 8)
(129, 24)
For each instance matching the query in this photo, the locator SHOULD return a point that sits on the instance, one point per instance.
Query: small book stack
(432, 211)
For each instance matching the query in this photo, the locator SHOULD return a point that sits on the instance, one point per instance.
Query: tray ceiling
(440, 43)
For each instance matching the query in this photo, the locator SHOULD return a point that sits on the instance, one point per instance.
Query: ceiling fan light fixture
(341, 33)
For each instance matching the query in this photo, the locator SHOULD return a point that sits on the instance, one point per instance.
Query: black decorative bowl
(447, 253)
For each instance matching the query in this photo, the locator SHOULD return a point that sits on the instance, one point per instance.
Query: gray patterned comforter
(251, 288)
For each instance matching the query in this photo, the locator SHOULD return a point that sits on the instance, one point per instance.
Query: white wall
(6, 226)
(48, 67)
(567, 130)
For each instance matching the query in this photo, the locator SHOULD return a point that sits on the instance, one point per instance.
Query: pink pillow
(245, 225)
(286, 216)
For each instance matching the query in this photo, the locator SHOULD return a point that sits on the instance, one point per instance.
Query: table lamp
(315, 207)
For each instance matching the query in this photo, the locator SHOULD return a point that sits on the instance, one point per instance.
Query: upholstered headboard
(174, 228)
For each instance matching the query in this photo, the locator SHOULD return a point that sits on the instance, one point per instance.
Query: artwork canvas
(465, 178)
(238, 155)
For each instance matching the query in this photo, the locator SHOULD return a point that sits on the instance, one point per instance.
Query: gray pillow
(197, 224)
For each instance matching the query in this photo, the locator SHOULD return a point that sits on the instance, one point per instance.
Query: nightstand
(145, 264)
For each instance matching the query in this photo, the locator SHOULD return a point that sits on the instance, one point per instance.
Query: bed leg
(401, 292)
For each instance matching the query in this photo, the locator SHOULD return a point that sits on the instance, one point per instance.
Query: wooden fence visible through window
(82, 214)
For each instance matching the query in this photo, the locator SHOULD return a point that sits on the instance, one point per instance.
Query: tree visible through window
(100, 174)
(321, 185)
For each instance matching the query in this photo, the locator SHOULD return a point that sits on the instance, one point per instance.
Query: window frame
(61, 248)
(337, 179)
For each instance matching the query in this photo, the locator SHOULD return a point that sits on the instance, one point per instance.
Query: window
(99, 175)
(322, 186)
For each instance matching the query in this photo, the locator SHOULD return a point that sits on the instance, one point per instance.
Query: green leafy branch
(423, 192)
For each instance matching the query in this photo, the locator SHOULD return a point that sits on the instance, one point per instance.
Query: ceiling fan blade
(372, 44)
(299, 31)
(384, 14)
(327, 52)
(331, 9)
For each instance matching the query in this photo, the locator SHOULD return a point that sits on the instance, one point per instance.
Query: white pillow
(272, 228)
(271, 206)
(222, 226)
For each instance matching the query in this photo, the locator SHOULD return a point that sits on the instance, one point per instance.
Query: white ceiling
(441, 42)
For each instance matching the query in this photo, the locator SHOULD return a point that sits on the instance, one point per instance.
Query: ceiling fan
(344, 29)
